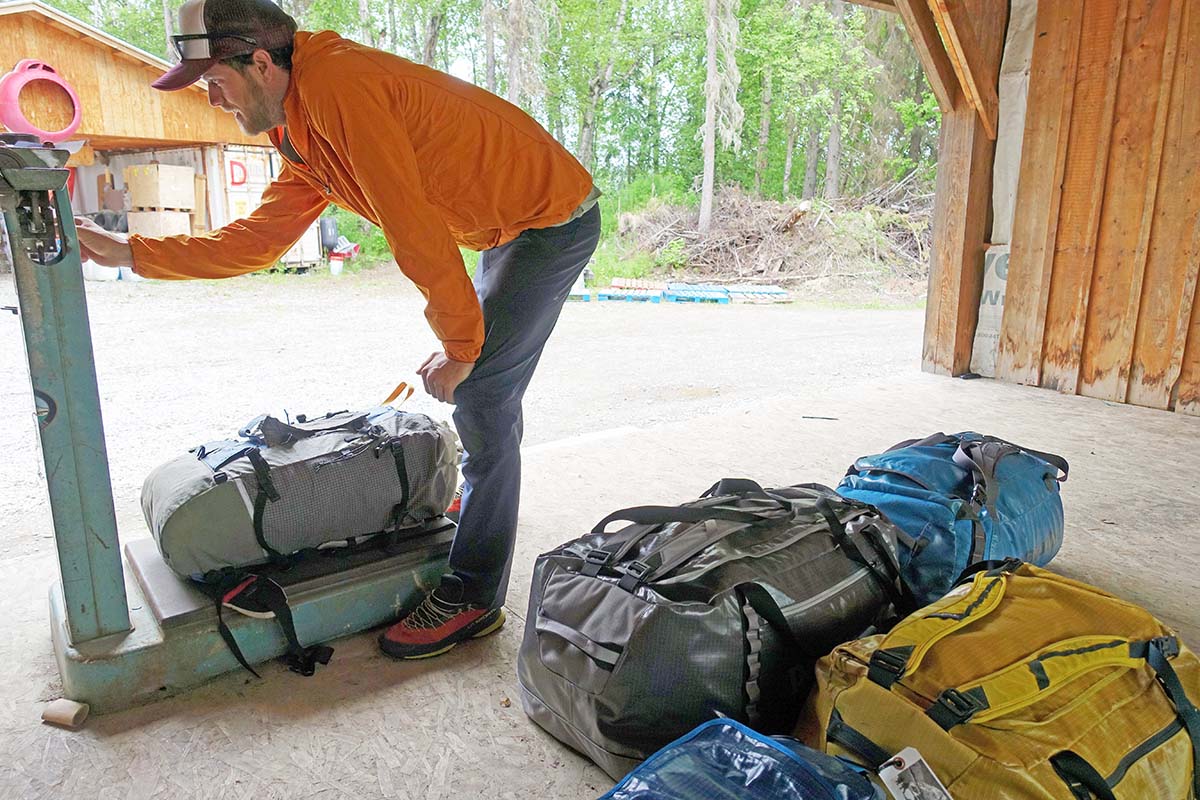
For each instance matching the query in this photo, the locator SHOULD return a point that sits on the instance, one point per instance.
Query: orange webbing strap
(399, 390)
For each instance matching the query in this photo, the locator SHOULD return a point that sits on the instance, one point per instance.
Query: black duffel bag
(719, 606)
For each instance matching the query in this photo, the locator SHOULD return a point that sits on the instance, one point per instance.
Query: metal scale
(125, 639)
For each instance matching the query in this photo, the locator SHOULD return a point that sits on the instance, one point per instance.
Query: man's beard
(255, 118)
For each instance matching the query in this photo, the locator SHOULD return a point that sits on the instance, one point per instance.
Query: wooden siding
(1102, 283)
(113, 84)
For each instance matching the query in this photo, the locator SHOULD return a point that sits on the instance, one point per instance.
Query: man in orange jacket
(436, 163)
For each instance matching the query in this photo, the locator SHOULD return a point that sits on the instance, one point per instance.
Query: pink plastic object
(25, 72)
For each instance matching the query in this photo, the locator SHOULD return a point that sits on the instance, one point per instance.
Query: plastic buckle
(635, 571)
(593, 561)
(1167, 645)
(954, 708)
(886, 667)
(305, 663)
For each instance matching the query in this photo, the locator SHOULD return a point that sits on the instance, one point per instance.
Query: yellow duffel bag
(1020, 684)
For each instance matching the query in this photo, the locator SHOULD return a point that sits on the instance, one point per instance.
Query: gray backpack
(716, 607)
(283, 487)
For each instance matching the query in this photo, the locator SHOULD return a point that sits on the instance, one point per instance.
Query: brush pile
(883, 237)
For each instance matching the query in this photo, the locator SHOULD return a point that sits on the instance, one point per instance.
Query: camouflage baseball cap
(213, 30)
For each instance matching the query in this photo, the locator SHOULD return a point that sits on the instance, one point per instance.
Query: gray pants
(521, 286)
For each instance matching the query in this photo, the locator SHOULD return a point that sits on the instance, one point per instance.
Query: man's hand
(106, 249)
(442, 375)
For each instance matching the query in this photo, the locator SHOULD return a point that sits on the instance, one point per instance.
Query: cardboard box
(307, 250)
(160, 223)
(161, 186)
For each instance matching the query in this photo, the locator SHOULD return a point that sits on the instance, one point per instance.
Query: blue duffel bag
(724, 760)
(961, 499)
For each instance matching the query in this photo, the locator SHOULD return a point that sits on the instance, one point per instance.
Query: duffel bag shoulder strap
(650, 518)
(664, 515)
(647, 519)
(271, 595)
(688, 541)
(905, 647)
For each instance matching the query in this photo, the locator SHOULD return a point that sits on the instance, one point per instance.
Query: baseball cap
(214, 30)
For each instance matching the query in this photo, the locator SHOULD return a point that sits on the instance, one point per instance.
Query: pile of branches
(880, 236)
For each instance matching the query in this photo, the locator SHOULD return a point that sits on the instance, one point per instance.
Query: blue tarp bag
(961, 499)
(724, 760)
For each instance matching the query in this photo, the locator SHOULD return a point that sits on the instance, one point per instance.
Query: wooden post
(966, 149)
(961, 218)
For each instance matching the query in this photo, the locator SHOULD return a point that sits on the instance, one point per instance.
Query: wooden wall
(1102, 281)
(120, 110)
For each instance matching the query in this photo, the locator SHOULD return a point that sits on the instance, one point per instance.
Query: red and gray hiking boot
(440, 622)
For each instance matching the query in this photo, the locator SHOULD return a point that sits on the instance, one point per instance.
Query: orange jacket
(433, 161)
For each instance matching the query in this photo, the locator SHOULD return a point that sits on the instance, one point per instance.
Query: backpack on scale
(233, 514)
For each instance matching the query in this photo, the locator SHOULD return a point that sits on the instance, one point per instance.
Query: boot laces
(433, 613)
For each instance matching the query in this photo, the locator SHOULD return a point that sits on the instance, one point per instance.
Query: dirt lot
(182, 363)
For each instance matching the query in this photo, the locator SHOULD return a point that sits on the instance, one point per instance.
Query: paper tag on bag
(908, 777)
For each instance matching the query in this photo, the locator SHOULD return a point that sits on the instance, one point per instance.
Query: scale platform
(173, 643)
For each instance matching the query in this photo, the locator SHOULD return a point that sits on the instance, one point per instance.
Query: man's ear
(262, 62)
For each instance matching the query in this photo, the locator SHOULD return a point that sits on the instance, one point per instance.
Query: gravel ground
(182, 363)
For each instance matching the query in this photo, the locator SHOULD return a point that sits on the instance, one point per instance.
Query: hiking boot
(440, 622)
(246, 598)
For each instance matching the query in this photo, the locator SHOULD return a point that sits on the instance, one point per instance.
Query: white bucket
(335, 266)
(94, 272)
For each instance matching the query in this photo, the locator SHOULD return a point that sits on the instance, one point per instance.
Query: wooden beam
(878, 5)
(962, 205)
(978, 73)
(962, 202)
(1039, 191)
(922, 28)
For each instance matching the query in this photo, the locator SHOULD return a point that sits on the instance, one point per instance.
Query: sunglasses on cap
(196, 46)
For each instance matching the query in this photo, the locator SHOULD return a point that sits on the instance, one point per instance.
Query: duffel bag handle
(664, 515)
(933, 440)
(1056, 461)
(274, 432)
(744, 487)
(905, 647)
